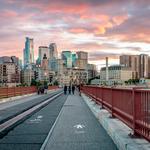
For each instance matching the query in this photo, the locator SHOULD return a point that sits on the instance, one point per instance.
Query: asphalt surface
(31, 134)
(10, 112)
(78, 129)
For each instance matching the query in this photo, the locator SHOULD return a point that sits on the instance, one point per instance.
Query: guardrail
(132, 106)
(16, 91)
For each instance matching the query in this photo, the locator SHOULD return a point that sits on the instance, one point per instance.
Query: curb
(3, 100)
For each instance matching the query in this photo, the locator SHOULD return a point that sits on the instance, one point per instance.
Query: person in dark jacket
(79, 89)
(65, 89)
(73, 89)
(69, 89)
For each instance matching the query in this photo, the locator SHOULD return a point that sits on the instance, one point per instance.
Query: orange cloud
(101, 29)
(77, 30)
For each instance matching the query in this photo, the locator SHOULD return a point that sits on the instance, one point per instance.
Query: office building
(73, 76)
(116, 74)
(67, 57)
(28, 52)
(82, 60)
(42, 51)
(9, 74)
(53, 53)
(91, 68)
(27, 75)
(9, 71)
(74, 59)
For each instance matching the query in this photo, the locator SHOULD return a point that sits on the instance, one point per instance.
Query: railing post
(21, 90)
(102, 97)
(112, 103)
(14, 91)
(134, 111)
(96, 94)
(7, 91)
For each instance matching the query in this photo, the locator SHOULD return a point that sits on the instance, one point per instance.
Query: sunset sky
(100, 27)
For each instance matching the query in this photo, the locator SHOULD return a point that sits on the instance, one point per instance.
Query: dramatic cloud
(100, 27)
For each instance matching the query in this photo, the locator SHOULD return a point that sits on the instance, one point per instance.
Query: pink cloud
(118, 20)
(8, 14)
(62, 21)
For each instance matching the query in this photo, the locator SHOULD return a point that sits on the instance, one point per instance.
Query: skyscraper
(132, 61)
(143, 66)
(74, 59)
(28, 52)
(53, 53)
(53, 56)
(82, 60)
(42, 51)
(67, 57)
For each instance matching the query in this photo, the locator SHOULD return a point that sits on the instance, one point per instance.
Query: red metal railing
(16, 91)
(132, 106)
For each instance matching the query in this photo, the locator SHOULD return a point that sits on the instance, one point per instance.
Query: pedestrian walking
(79, 90)
(69, 89)
(73, 89)
(46, 88)
(65, 89)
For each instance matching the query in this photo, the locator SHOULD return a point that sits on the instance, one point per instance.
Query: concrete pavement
(30, 134)
(77, 128)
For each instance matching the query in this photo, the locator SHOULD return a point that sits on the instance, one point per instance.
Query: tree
(38, 83)
(33, 82)
(45, 83)
(126, 82)
(56, 82)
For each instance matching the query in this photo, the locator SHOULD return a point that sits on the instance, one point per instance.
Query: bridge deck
(77, 129)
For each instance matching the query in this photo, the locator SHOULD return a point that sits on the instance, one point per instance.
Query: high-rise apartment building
(28, 52)
(143, 69)
(139, 65)
(133, 62)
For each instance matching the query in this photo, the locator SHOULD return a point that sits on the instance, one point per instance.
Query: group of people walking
(69, 89)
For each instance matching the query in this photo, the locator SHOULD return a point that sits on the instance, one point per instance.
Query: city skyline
(101, 28)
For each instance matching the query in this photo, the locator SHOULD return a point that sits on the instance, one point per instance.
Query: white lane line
(12, 121)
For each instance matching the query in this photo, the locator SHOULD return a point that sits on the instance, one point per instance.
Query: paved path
(78, 129)
(30, 134)
(11, 109)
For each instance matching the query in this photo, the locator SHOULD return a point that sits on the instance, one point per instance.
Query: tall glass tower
(74, 59)
(28, 52)
(53, 56)
(67, 57)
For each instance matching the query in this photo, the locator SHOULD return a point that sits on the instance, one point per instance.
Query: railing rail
(7, 92)
(132, 106)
